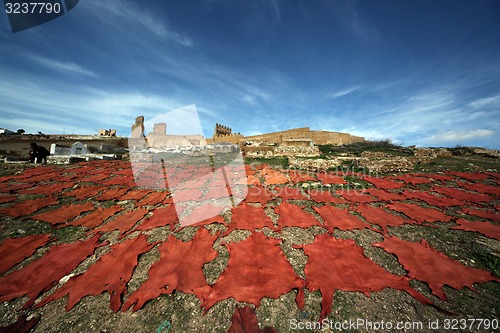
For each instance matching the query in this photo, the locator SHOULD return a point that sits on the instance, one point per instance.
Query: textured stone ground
(85, 249)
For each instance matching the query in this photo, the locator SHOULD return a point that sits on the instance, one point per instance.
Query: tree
(21, 131)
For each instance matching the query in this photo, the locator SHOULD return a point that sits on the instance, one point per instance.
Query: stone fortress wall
(318, 137)
(303, 137)
(224, 134)
(293, 142)
(160, 138)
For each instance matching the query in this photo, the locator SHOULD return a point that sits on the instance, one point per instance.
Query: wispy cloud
(63, 66)
(130, 12)
(346, 15)
(85, 110)
(343, 92)
(459, 136)
(276, 8)
(487, 101)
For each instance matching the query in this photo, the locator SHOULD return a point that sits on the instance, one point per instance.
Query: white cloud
(459, 136)
(52, 108)
(132, 13)
(343, 92)
(62, 66)
(487, 101)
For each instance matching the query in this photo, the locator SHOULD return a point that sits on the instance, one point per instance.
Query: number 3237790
(32, 8)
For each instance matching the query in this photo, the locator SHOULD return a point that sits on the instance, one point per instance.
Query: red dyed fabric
(493, 174)
(27, 207)
(442, 178)
(294, 216)
(180, 268)
(274, 177)
(112, 194)
(200, 214)
(21, 325)
(290, 193)
(84, 192)
(326, 196)
(94, 218)
(327, 178)
(161, 217)
(249, 170)
(340, 218)
(380, 217)
(193, 184)
(244, 320)
(485, 214)
(81, 168)
(250, 180)
(216, 193)
(134, 195)
(248, 218)
(419, 213)
(64, 214)
(186, 195)
(39, 276)
(339, 264)
(154, 198)
(248, 278)
(6, 188)
(410, 179)
(15, 250)
(299, 177)
(120, 180)
(385, 195)
(355, 196)
(485, 228)
(258, 194)
(123, 222)
(48, 190)
(7, 198)
(220, 181)
(42, 177)
(481, 188)
(38, 170)
(260, 166)
(432, 199)
(110, 273)
(468, 175)
(426, 264)
(210, 220)
(462, 195)
(95, 178)
(384, 183)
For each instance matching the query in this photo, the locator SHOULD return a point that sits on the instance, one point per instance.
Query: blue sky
(423, 73)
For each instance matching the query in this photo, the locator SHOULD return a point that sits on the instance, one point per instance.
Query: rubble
(423, 156)
(298, 151)
(443, 153)
(153, 154)
(487, 152)
(317, 164)
(382, 162)
(428, 155)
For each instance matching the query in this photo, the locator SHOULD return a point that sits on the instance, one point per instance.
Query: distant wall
(231, 138)
(159, 140)
(319, 137)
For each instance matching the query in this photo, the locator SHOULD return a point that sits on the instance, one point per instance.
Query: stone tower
(138, 127)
